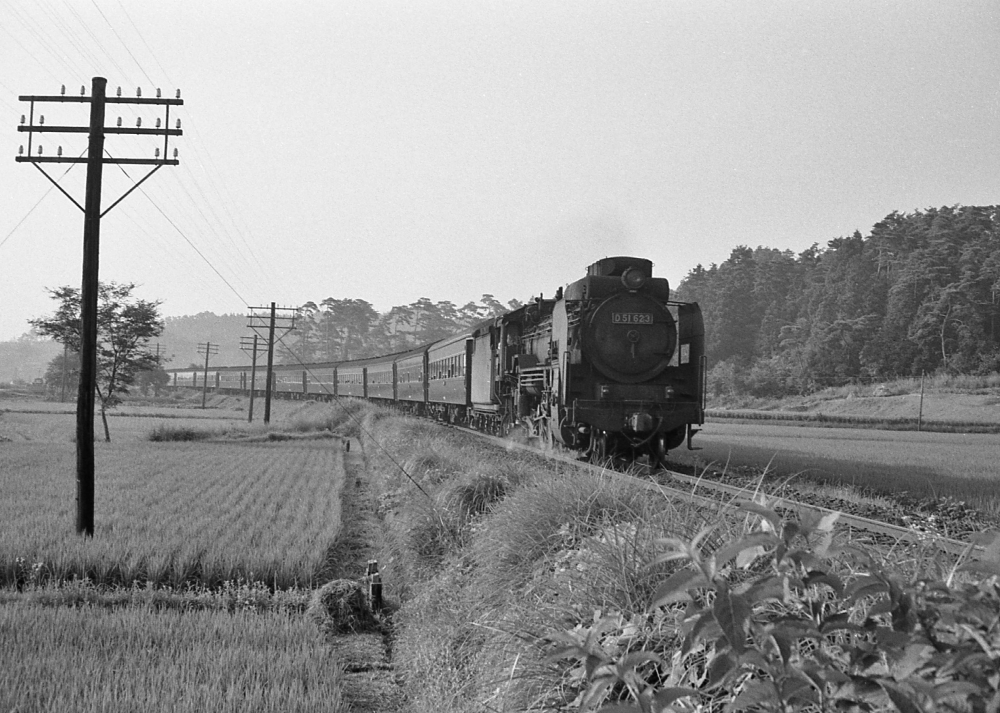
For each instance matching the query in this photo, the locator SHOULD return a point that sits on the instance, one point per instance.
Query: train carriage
(351, 378)
(289, 380)
(184, 378)
(448, 376)
(232, 379)
(259, 378)
(380, 379)
(321, 380)
(411, 368)
(490, 407)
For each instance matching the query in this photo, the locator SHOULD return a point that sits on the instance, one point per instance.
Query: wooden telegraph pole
(207, 349)
(95, 161)
(62, 394)
(247, 345)
(271, 321)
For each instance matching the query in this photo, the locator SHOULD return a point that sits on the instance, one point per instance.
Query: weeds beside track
(669, 483)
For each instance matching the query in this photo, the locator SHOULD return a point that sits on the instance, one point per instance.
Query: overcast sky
(389, 151)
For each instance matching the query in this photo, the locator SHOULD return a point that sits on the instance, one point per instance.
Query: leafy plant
(769, 622)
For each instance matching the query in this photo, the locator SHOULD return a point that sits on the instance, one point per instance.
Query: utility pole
(207, 349)
(246, 344)
(95, 161)
(159, 363)
(272, 321)
(62, 395)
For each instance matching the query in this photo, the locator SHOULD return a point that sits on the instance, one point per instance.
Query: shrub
(341, 607)
(163, 432)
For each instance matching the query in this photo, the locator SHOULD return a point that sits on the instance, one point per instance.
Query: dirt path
(368, 681)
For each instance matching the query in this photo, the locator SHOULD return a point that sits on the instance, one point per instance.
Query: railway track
(698, 490)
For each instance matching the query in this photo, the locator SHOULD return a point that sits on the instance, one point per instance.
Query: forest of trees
(918, 295)
(338, 329)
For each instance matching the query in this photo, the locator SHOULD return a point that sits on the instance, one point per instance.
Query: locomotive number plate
(631, 318)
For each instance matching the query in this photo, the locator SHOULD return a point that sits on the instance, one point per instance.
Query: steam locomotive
(609, 366)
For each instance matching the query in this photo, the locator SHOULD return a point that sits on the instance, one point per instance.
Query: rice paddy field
(172, 513)
(92, 659)
(190, 595)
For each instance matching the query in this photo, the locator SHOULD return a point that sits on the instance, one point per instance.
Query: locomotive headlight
(668, 392)
(633, 279)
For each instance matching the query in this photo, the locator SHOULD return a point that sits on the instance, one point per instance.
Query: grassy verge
(484, 552)
(490, 556)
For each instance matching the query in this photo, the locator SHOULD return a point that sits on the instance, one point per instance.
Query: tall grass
(499, 551)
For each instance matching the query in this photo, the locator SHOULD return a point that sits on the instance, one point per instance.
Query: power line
(31, 210)
(143, 40)
(80, 45)
(28, 52)
(123, 43)
(195, 248)
(163, 212)
(255, 265)
(203, 150)
(353, 417)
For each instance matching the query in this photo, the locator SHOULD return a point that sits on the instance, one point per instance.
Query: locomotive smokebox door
(630, 337)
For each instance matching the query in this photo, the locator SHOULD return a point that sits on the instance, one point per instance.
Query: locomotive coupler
(640, 422)
(691, 432)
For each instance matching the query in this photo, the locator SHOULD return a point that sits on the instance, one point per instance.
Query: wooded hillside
(919, 294)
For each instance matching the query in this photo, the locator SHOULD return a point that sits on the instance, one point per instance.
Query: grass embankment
(495, 550)
(488, 556)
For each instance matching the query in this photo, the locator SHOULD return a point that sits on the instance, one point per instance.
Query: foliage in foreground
(797, 635)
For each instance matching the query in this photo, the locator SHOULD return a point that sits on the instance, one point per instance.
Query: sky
(389, 151)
